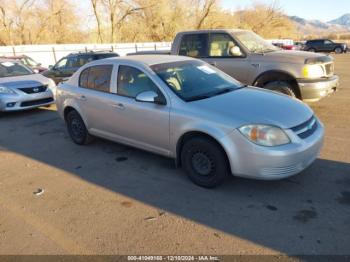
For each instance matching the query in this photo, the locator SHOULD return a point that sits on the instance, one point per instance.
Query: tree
(95, 8)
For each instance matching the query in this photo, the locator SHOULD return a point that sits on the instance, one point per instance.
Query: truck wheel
(338, 50)
(77, 129)
(204, 162)
(312, 50)
(281, 87)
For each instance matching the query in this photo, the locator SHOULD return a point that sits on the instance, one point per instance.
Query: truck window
(194, 45)
(220, 46)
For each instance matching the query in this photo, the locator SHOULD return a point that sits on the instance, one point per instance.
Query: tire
(77, 129)
(312, 50)
(338, 50)
(205, 162)
(281, 87)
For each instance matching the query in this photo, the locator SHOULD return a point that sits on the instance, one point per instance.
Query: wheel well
(338, 46)
(187, 136)
(67, 110)
(272, 76)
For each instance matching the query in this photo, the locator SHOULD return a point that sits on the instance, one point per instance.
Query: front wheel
(338, 50)
(77, 129)
(281, 87)
(205, 162)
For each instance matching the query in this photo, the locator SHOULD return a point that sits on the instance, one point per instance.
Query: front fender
(200, 128)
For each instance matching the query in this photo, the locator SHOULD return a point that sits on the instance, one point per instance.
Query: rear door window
(97, 78)
(194, 45)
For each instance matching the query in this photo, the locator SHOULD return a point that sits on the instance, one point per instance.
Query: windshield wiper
(224, 91)
(199, 97)
(220, 92)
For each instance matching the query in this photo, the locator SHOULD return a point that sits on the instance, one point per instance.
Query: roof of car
(92, 53)
(212, 31)
(2, 60)
(152, 59)
(13, 57)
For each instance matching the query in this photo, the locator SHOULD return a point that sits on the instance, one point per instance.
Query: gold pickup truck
(253, 61)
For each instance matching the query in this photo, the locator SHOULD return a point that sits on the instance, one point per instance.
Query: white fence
(50, 54)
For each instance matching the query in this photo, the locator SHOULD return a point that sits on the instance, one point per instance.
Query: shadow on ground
(302, 214)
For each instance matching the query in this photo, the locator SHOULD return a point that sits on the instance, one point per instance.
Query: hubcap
(202, 164)
(77, 128)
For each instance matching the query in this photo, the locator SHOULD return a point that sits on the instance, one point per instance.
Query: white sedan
(21, 88)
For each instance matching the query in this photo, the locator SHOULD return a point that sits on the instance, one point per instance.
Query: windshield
(9, 68)
(194, 80)
(255, 43)
(29, 61)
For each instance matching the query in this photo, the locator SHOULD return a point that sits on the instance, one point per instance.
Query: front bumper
(18, 102)
(314, 90)
(272, 163)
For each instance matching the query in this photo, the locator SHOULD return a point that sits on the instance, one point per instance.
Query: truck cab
(253, 61)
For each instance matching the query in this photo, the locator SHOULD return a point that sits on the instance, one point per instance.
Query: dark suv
(67, 66)
(325, 45)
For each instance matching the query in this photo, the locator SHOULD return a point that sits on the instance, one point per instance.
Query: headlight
(52, 86)
(313, 71)
(5, 90)
(265, 135)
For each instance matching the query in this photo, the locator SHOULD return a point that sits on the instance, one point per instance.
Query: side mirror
(150, 97)
(235, 51)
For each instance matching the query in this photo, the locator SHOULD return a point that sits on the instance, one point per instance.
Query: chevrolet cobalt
(185, 109)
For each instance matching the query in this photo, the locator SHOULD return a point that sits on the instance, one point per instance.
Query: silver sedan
(185, 109)
(21, 88)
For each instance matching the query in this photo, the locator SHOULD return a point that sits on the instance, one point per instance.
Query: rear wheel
(77, 129)
(281, 87)
(312, 50)
(205, 162)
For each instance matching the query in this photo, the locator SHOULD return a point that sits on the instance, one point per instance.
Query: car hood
(254, 106)
(290, 56)
(24, 81)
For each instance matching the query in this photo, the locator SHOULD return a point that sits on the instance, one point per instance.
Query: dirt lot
(106, 198)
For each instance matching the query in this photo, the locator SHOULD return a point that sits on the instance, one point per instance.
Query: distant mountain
(344, 20)
(304, 26)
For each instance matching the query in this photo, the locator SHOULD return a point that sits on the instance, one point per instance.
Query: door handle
(118, 106)
(213, 64)
(82, 98)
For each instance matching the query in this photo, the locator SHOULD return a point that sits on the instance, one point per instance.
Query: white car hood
(24, 81)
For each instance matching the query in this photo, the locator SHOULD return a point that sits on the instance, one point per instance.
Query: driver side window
(132, 81)
(222, 45)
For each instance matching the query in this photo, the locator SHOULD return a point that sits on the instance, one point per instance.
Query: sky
(323, 10)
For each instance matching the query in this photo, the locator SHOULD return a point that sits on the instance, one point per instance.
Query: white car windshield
(9, 68)
(254, 43)
(195, 80)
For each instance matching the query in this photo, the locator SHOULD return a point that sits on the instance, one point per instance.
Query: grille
(329, 69)
(37, 102)
(306, 129)
(287, 170)
(33, 90)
